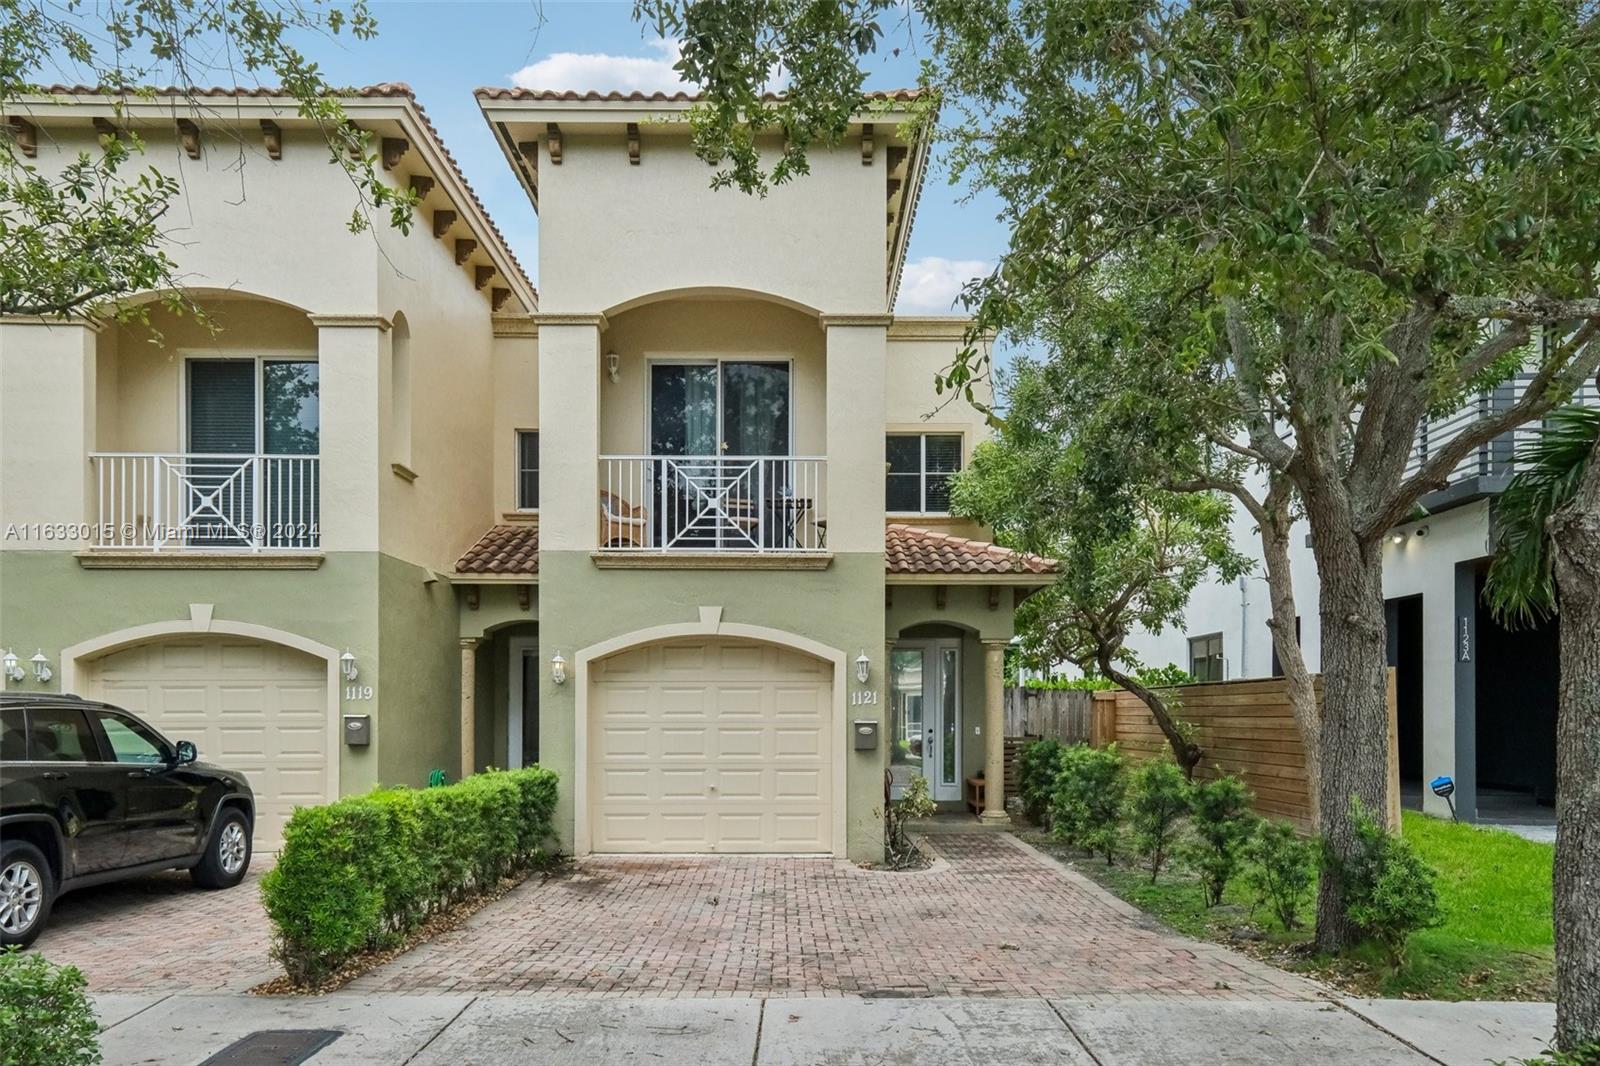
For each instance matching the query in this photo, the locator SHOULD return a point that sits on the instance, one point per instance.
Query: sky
(446, 50)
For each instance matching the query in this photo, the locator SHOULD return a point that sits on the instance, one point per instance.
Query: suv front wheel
(26, 891)
(227, 855)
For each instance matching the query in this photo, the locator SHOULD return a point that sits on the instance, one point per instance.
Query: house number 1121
(864, 698)
(358, 692)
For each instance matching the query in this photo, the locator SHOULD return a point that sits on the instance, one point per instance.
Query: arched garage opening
(711, 742)
(261, 706)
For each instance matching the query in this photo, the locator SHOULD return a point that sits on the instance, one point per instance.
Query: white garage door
(260, 709)
(711, 746)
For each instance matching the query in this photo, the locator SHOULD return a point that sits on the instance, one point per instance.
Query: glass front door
(925, 716)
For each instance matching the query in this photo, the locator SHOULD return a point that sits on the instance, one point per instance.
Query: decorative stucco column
(47, 426)
(469, 706)
(994, 728)
(569, 431)
(351, 353)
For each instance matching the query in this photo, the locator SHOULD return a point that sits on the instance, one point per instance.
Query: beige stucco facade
(429, 360)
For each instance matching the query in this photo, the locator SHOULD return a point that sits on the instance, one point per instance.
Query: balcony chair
(622, 525)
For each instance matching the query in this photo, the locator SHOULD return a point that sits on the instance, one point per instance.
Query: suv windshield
(130, 741)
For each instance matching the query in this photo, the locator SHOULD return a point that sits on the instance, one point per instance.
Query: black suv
(89, 793)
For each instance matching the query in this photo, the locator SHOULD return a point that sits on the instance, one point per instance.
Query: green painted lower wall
(419, 675)
(841, 607)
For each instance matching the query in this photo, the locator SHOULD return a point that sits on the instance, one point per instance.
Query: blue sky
(445, 50)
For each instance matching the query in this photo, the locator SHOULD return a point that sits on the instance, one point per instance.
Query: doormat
(274, 1047)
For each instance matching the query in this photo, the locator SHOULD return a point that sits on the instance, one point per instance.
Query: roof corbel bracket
(552, 134)
(866, 144)
(272, 137)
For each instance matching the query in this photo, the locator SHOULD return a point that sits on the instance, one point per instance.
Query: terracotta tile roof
(389, 90)
(512, 548)
(494, 92)
(909, 550)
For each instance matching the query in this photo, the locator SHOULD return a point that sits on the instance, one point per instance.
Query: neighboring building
(648, 526)
(1475, 701)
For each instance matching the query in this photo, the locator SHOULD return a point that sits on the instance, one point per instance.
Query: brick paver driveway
(162, 934)
(993, 918)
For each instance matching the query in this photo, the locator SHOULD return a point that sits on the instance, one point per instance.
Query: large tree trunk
(1575, 533)
(1353, 746)
(1297, 679)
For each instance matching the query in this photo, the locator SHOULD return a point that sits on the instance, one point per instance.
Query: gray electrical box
(358, 730)
(866, 733)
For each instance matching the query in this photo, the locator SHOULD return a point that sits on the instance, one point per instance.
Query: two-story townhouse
(241, 527)
(1475, 700)
(677, 527)
(753, 607)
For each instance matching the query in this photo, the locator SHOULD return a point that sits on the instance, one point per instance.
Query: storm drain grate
(274, 1047)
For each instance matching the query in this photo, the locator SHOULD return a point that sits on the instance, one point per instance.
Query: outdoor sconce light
(347, 665)
(863, 667)
(1398, 538)
(41, 667)
(13, 669)
(558, 669)
(613, 361)
(1444, 787)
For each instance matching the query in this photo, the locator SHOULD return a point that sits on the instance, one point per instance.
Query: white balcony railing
(713, 503)
(247, 503)
(1494, 457)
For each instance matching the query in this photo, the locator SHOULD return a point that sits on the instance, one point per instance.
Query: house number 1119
(358, 692)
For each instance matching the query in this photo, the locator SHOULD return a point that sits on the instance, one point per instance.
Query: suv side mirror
(186, 752)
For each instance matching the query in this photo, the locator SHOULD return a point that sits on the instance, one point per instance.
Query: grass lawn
(1494, 888)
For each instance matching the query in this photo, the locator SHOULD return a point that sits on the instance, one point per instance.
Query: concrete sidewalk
(462, 1030)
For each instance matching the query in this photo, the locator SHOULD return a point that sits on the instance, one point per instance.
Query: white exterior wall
(611, 233)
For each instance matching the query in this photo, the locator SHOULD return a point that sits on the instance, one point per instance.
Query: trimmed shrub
(898, 851)
(1086, 806)
(45, 1015)
(1223, 823)
(361, 873)
(1037, 765)
(1158, 800)
(1281, 867)
(1388, 890)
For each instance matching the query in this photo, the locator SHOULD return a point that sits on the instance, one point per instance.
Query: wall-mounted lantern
(613, 366)
(13, 668)
(347, 665)
(41, 667)
(558, 669)
(863, 667)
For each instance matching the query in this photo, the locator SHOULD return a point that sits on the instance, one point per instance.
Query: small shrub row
(1088, 798)
(361, 873)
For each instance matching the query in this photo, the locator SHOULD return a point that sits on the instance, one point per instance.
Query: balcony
(187, 502)
(1488, 468)
(700, 504)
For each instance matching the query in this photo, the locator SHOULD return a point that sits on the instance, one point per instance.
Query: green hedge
(45, 1014)
(361, 873)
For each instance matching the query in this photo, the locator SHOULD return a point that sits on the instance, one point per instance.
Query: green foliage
(1583, 1055)
(1387, 889)
(1086, 807)
(1037, 765)
(361, 873)
(915, 802)
(1158, 800)
(1223, 823)
(1521, 586)
(735, 49)
(77, 240)
(46, 1018)
(1280, 869)
(1169, 676)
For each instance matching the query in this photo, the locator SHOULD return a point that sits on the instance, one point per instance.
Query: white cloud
(582, 71)
(932, 283)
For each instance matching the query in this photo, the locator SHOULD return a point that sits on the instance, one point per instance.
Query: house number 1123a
(864, 698)
(358, 692)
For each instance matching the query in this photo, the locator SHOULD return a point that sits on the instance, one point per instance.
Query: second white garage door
(260, 709)
(711, 746)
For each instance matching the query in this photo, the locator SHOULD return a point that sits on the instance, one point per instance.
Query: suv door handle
(138, 773)
(54, 775)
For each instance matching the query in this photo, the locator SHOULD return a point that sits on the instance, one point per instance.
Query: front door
(925, 716)
(522, 711)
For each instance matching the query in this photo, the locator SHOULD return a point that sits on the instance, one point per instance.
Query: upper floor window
(920, 467)
(527, 469)
(1205, 657)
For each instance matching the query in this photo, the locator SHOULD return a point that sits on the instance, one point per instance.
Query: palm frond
(1521, 587)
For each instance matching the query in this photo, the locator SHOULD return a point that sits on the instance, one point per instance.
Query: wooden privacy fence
(1243, 727)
